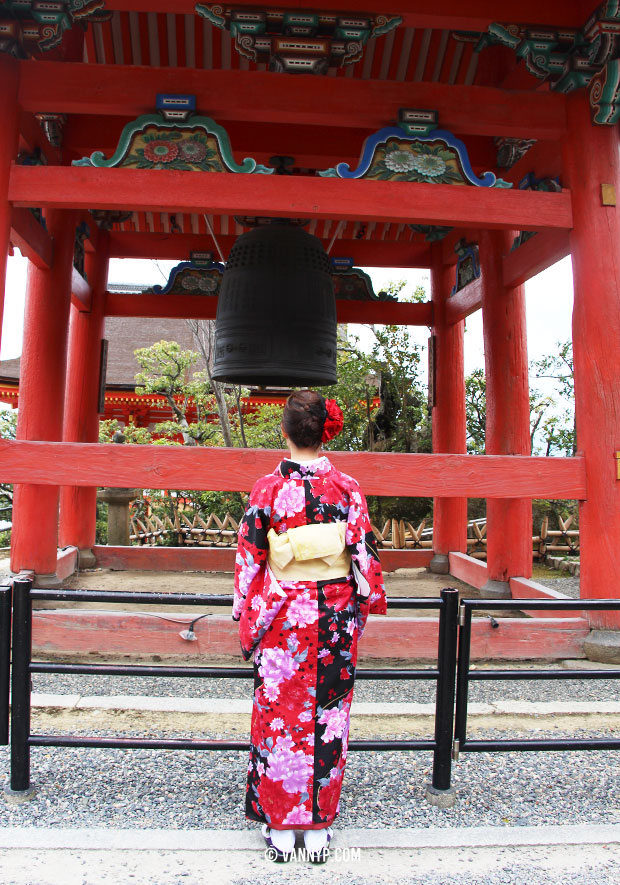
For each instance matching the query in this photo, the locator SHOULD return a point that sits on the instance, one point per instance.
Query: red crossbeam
(220, 469)
(284, 196)
(302, 100)
(204, 308)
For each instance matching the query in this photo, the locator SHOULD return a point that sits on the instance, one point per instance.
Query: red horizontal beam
(220, 469)
(266, 97)
(31, 238)
(465, 302)
(535, 255)
(81, 293)
(219, 559)
(198, 307)
(81, 631)
(451, 14)
(373, 252)
(286, 196)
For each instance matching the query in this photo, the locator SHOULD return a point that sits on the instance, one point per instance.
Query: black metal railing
(465, 675)
(23, 667)
(5, 661)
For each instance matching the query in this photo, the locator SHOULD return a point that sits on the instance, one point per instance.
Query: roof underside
(430, 46)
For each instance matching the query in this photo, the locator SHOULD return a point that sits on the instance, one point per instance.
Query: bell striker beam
(592, 170)
(78, 505)
(509, 521)
(9, 137)
(42, 388)
(448, 412)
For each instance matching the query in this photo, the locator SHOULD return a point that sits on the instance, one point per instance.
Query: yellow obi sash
(310, 552)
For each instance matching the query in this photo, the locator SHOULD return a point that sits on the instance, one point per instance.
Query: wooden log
(139, 633)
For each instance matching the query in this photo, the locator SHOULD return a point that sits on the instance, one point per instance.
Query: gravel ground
(568, 586)
(190, 789)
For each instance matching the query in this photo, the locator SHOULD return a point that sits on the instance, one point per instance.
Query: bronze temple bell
(276, 312)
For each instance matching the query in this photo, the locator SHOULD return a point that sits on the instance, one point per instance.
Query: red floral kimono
(304, 638)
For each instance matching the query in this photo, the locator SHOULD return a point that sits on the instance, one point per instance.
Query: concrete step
(434, 854)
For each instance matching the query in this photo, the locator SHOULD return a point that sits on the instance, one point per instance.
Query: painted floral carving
(416, 161)
(158, 149)
(399, 161)
(197, 144)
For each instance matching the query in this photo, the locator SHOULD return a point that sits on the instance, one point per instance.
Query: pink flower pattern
(304, 636)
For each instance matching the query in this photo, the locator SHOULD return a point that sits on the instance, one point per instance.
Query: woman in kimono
(307, 575)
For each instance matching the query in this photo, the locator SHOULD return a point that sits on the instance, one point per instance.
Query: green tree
(166, 371)
(476, 411)
(559, 368)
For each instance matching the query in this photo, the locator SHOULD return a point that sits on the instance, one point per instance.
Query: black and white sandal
(273, 852)
(322, 854)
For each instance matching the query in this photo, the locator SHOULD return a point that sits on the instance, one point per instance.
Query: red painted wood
(31, 238)
(80, 291)
(41, 396)
(305, 100)
(204, 308)
(365, 253)
(526, 639)
(509, 523)
(521, 588)
(465, 302)
(9, 136)
(219, 559)
(448, 413)
(591, 159)
(181, 467)
(284, 196)
(466, 568)
(534, 256)
(139, 633)
(476, 15)
(81, 418)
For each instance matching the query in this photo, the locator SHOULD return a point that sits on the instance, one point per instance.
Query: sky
(549, 301)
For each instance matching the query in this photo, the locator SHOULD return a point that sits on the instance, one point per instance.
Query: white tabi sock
(284, 840)
(315, 840)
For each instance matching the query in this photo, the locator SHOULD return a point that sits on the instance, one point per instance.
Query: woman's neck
(303, 454)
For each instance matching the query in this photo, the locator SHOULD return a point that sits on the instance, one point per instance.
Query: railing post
(440, 792)
(20, 789)
(462, 679)
(5, 661)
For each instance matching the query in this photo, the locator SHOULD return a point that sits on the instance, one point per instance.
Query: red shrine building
(479, 140)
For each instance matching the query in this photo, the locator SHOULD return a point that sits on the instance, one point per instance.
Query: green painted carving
(298, 41)
(197, 144)
(605, 94)
(570, 59)
(30, 27)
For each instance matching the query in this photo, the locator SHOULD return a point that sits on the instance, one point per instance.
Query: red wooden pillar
(590, 162)
(41, 395)
(9, 138)
(448, 413)
(509, 521)
(78, 504)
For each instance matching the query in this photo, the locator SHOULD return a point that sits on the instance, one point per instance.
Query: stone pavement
(485, 855)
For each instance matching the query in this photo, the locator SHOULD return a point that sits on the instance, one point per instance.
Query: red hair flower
(334, 420)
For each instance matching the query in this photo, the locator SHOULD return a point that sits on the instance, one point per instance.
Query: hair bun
(334, 420)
